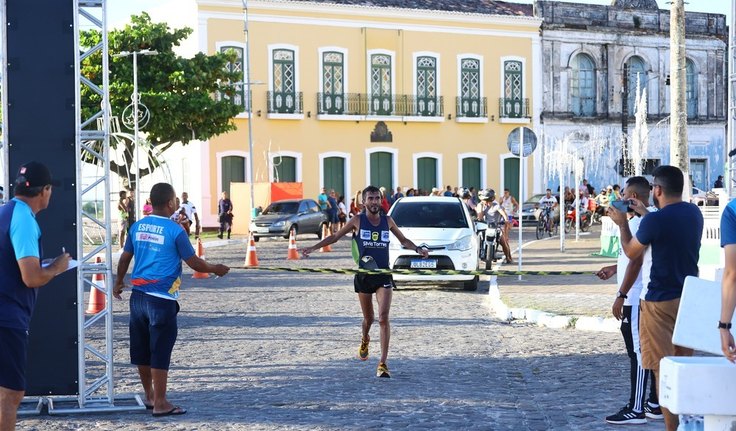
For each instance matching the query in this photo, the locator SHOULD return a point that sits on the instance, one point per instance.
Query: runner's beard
(373, 209)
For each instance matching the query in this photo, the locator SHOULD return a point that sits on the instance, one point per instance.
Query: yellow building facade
(343, 96)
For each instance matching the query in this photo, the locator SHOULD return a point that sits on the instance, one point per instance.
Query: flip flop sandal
(173, 412)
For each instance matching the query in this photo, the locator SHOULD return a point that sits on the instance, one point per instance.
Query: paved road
(262, 350)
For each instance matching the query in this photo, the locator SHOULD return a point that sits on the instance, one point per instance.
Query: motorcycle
(585, 219)
(489, 242)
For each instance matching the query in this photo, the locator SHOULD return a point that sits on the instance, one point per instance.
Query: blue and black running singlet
(373, 240)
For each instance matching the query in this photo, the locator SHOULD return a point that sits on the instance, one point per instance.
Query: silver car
(282, 217)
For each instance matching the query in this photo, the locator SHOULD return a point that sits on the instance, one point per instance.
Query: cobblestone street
(262, 350)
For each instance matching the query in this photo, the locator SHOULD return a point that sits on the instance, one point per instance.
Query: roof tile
(486, 7)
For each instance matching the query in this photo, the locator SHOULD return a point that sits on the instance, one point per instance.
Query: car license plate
(423, 263)
(262, 229)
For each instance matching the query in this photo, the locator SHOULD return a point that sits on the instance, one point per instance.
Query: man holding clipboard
(22, 273)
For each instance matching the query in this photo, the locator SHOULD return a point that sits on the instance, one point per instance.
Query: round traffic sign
(530, 141)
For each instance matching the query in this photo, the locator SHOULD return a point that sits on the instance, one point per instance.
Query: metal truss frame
(96, 390)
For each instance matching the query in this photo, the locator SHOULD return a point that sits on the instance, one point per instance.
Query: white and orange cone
(200, 254)
(251, 259)
(325, 234)
(292, 254)
(96, 301)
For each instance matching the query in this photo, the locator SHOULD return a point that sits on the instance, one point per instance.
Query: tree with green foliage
(188, 98)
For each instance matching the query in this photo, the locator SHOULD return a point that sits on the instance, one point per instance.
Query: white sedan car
(444, 226)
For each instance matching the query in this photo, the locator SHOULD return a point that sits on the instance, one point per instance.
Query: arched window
(426, 91)
(333, 88)
(582, 86)
(284, 79)
(235, 66)
(470, 97)
(691, 78)
(637, 74)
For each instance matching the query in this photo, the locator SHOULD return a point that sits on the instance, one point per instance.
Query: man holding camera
(672, 235)
(626, 309)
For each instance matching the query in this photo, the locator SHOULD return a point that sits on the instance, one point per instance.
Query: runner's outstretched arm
(405, 242)
(354, 223)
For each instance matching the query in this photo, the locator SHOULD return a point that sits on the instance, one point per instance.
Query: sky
(180, 13)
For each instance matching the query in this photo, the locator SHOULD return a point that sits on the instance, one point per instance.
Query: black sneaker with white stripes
(653, 412)
(626, 416)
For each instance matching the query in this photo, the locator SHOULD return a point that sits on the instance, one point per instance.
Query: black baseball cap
(34, 174)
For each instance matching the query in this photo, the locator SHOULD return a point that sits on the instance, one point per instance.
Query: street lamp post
(249, 109)
(136, 120)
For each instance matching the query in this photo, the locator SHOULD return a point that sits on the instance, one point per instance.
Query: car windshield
(534, 199)
(429, 214)
(282, 208)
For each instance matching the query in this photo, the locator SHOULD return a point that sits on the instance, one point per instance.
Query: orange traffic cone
(292, 254)
(96, 296)
(200, 254)
(325, 234)
(251, 259)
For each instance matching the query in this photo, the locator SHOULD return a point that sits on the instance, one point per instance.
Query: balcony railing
(423, 106)
(513, 108)
(240, 98)
(391, 105)
(342, 104)
(284, 103)
(471, 107)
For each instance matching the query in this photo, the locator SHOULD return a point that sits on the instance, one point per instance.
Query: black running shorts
(370, 283)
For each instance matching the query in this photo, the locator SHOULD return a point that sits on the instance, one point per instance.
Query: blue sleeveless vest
(373, 240)
(16, 300)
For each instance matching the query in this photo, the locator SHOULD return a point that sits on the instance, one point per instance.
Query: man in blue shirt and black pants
(673, 236)
(21, 273)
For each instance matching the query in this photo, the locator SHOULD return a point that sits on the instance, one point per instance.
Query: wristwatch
(620, 294)
(722, 325)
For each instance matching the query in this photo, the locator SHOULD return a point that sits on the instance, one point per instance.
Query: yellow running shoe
(363, 350)
(382, 370)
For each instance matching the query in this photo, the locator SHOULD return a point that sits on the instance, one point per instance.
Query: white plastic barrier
(699, 385)
(609, 237)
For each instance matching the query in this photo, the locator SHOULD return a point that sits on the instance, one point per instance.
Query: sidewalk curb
(583, 323)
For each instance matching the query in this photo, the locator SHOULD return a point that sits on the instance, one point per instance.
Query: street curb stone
(584, 323)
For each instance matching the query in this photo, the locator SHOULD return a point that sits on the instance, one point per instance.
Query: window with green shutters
(427, 86)
(233, 171)
(235, 67)
(427, 173)
(513, 90)
(382, 169)
(381, 103)
(334, 174)
(333, 89)
(471, 172)
(284, 169)
(284, 81)
(470, 103)
(511, 176)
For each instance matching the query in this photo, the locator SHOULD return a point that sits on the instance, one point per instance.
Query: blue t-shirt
(728, 224)
(333, 204)
(159, 245)
(322, 200)
(674, 233)
(20, 237)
